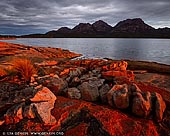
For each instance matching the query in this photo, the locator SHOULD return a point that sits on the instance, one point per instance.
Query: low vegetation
(24, 68)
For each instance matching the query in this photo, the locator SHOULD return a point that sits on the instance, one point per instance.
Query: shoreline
(142, 63)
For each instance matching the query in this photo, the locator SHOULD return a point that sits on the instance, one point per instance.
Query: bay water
(154, 50)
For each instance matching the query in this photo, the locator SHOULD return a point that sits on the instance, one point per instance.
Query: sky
(40, 16)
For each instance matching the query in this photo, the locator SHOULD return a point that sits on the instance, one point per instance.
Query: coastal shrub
(24, 68)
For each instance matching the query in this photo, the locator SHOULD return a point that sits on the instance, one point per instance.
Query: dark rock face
(63, 31)
(83, 29)
(101, 27)
(132, 25)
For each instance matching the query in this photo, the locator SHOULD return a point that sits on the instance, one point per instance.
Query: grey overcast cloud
(39, 16)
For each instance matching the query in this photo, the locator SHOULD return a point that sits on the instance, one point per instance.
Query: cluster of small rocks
(92, 86)
(86, 80)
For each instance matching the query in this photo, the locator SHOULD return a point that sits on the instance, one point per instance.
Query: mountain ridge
(129, 28)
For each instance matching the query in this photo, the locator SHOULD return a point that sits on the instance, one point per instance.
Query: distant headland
(129, 28)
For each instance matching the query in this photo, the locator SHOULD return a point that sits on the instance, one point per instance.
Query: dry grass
(24, 68)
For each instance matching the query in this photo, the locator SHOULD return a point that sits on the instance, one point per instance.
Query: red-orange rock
(109, 121)
(9, 49)
(121, 96)
(47, 63)
(14, 114)
(116, 65)
(128, 74)
(65, 72)
(44, 102)
(141, 106)
(160, 107)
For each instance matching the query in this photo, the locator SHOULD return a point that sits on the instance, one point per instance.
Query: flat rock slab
(159, 80)
(100, 120)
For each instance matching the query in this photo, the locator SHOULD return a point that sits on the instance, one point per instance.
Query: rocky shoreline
(82, 97)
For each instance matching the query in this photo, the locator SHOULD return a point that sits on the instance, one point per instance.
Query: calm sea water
(157, 50)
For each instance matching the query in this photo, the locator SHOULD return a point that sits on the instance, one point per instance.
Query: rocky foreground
(93, 97)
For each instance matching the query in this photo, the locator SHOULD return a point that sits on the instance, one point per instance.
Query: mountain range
(129, 28)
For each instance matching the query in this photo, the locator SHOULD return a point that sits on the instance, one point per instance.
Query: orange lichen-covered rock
(97, 120)
(44, 102)
(47, 63)
(116, 66)
(120, 65)
(127, 73)
(141, 106)
(10, 49)
(65, 72)
(121, 96)
(43, 95)
(160, 107)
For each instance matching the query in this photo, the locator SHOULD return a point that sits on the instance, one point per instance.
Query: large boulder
(43, 110)
(96, 82)
(73, 93)
(55, 84)
(141, 104)
(43, 101)
(119, 96)
(159, 106)
(89, 92)
(103, 92)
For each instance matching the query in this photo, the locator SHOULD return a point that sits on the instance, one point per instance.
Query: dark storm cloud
(39, 16)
